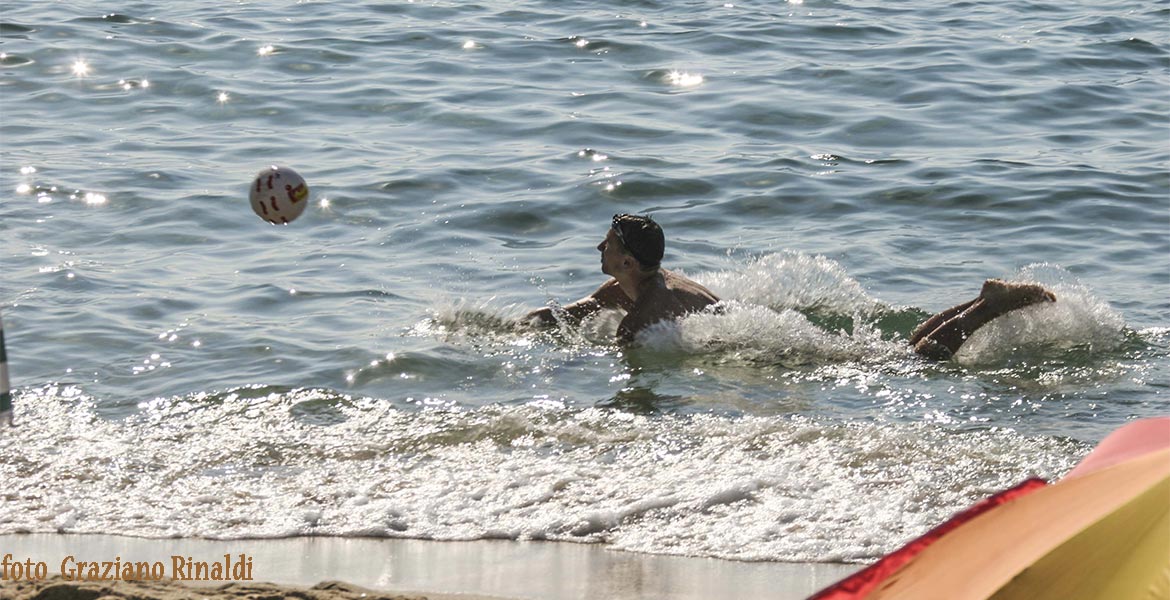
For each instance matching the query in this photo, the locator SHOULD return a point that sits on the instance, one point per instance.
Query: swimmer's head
(641, 238)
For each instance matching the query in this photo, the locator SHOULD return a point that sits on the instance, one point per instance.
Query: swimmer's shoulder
(682, 284)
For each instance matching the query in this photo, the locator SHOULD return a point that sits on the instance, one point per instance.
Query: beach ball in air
(279, 195)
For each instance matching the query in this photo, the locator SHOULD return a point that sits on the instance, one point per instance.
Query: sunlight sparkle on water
(683, 79)
(222, 97)
(80, 67)
(592, 154)
(90, 198)
(266, 50)
(129, 84)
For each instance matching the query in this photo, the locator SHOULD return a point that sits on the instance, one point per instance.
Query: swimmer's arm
(627, 331)
(609, 295)
(637, 319)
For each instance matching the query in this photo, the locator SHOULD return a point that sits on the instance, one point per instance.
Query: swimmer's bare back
(666, 296)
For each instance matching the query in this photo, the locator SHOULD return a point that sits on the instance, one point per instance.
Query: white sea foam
(759, 333)
(763, 318)
(245, 464)
(791, 280)
(1078, 318)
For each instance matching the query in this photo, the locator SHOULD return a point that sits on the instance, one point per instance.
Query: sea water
(835, 170)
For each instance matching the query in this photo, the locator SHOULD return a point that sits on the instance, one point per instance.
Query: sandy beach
(56, 589)
(312, 568)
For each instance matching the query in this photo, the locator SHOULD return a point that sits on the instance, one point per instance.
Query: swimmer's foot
(933, 350)
(1002, 296)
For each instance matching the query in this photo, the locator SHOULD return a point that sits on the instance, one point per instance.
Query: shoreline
(333, 568)
(56, 589)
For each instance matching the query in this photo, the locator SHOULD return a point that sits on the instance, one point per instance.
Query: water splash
(792, 280)
(1077, 320)
(792, 308)
(261, 462)
(473, 318)
(760, 334)
(789, 308)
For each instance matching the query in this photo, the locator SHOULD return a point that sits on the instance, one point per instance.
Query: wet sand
(56, 589)
(407, 569)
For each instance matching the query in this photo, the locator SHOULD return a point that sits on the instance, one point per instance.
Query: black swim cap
(641, 237)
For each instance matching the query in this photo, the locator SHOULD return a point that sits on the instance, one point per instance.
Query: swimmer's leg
(934, 322)
(943, 341)
(996, 299)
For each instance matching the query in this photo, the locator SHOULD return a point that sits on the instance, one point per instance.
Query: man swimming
(631, 254)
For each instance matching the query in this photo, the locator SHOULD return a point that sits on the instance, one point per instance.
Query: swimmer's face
(613, 255)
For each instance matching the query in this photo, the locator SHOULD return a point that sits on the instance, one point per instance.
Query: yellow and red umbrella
(1101, 532)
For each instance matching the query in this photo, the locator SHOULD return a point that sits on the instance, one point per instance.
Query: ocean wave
(265, 462)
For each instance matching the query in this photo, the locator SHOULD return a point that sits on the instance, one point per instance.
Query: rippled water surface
(836, 171)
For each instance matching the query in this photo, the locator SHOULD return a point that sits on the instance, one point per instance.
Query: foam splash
(256, 463)
(462, 320)
(761, 334)
(1078, 319)
(765, 315)
(792, 280)
(793, 308)
(471, 317)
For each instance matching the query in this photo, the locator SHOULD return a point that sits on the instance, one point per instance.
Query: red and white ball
(279, 195)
